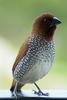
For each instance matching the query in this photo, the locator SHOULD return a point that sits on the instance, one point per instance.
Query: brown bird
(36, 55)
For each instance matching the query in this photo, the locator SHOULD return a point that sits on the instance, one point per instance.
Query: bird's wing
(21, 54)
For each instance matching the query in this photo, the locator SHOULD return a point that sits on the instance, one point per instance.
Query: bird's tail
(19, 86)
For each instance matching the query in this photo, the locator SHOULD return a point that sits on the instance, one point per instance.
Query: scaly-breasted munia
(36, 55)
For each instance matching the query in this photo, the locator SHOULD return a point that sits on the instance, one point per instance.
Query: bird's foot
(14, 94)
(40, 93)
(17, 94)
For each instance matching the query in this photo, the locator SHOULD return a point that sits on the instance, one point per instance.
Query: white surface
(30, 93)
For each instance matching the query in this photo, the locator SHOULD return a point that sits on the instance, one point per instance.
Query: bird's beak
(55, 21)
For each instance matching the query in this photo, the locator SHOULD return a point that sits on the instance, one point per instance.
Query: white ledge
(30, 93)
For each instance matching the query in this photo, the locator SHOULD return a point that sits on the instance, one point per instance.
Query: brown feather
(21, 54)
(40, 28)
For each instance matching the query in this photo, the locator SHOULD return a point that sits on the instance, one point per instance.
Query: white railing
(29, 93)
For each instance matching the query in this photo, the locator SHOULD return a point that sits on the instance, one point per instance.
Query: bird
(36, 54)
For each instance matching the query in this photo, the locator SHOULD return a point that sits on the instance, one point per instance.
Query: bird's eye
(44, 19)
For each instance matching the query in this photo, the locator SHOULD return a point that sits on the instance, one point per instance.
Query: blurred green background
(16, 17)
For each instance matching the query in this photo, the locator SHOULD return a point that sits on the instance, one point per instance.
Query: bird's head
(45, 25)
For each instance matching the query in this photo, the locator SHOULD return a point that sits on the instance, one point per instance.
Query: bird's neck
(46, 34)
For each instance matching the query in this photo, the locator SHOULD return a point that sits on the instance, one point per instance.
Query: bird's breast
(37, 61)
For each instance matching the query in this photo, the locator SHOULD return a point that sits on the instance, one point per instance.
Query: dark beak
(55, 21)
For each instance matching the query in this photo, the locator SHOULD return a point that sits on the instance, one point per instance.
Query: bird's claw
(40, 93)
(17, 94)
(14, 94)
